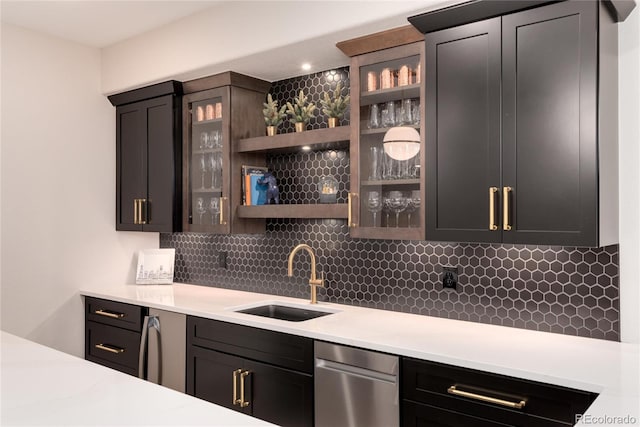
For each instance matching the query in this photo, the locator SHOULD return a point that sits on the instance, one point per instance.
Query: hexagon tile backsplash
(566, 290)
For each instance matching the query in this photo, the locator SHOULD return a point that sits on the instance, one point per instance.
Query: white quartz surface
(42, 386)
(609, 368)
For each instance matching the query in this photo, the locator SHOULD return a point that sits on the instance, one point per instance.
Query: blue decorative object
(273, 194)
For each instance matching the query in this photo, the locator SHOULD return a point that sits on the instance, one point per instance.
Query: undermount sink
(283, 312)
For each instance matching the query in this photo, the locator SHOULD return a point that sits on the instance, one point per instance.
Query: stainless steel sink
(282, 312)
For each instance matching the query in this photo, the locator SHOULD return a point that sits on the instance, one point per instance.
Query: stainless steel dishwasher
(355, 387)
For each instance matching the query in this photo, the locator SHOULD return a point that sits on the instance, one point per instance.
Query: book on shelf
(253, 193)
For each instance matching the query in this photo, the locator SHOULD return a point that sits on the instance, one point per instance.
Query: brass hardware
(243, 403)
(236, 401)
(114, 350)
(505, 205)
(143, 211)
(222, 221)
(313, 281)
(350, 196)
(135, 211)
(492, 208)
(102, 312)
(515, 405)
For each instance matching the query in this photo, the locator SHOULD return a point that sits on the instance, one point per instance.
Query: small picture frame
(155, 267)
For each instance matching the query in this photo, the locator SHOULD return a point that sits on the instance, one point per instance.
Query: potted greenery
(272, 115)
(300, 111)
(336, 107)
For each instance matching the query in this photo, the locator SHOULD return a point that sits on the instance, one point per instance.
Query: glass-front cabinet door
(206, 160)
(387, 144)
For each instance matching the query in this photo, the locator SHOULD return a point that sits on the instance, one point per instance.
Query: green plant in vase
(272, 115)
(336, 107)
(300, 111)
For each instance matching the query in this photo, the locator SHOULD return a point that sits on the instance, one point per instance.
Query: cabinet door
(210, 376)
(463, 132)
(280, 396)
(131, 164)
(387, 186)
(163, 148)
(549, 124)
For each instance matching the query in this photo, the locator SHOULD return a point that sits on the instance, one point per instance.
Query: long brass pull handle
(243, 403)
(506, 222)
(236, 401)
(515, 405)
(492, 208)
(349, 210)
(222, 221)
(102, 312)
(135, 211)
(110, 349)
(143, 211)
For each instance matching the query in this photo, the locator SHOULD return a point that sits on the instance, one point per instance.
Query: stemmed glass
(374, 204)
(213, 168)
(385, 207)
(397, 203)
(200, 208)
(214, 208)
(413, 205)
(203, 169)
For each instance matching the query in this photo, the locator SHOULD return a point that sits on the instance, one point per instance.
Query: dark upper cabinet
(521, 129)
(148, 158)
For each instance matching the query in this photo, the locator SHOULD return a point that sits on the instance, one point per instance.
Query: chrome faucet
(313, 282)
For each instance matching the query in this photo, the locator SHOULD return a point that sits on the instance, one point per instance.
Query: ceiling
(97, 23)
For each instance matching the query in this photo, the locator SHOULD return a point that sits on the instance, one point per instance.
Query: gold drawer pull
(102, 312)
(236, 401)
(114, 350)
(506, 225)
(243, 403)
(492, 208)
(515, 405)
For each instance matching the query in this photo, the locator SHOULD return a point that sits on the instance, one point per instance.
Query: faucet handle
(318, 282)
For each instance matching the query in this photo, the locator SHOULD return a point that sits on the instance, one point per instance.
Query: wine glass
(212, 167)
(374, 204)
(385, 207)
(214, 208)
(414, 201)
(200, 208)
(397, 203)
(203, 169)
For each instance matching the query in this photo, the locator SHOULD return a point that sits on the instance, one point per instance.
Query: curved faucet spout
(313, 281)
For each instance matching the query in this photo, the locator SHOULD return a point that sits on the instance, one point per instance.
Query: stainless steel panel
(355, 387)
(166, 362)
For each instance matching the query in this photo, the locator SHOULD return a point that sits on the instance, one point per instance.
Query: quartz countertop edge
(611, 369)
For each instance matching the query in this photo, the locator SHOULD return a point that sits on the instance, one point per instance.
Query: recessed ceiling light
(306, 66)
(306, 148)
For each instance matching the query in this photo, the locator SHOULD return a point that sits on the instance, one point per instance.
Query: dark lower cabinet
(521, 132)
(261, 373)
(436, 394)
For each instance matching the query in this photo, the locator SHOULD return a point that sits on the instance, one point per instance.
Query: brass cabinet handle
(105, 313)
(222, 221)
(110, 349)
(506, 222)
(143, 211)
(350, 196)
(243, 402)
(515, 405)
(135, 211)
(236, 401)
(492, 208)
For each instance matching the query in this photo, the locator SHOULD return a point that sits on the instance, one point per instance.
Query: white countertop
(43, 386)
(609, 368)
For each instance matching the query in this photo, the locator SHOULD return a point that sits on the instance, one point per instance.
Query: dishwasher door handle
(356, 371)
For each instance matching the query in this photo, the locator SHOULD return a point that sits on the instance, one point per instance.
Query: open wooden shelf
(327, 211)
(392, 94)
(318, 139)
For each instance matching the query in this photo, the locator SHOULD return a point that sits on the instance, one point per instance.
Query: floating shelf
(318, 139)
(393, 94)
(327, 211)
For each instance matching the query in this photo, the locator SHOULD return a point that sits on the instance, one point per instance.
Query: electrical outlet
(222, 260)
(449, 277)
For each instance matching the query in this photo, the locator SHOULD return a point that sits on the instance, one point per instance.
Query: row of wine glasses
(394, 113)
(393, 201)
(213, 208)
(212, 139)
(211, 163)
(384, 167)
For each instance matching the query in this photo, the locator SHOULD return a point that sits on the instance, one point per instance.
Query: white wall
(58, 189)
(629, 108)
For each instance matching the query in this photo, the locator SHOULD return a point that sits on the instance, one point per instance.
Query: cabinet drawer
(113, 347)
(430, 383)
(418, 415)
(276, 348)
(113, 313)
